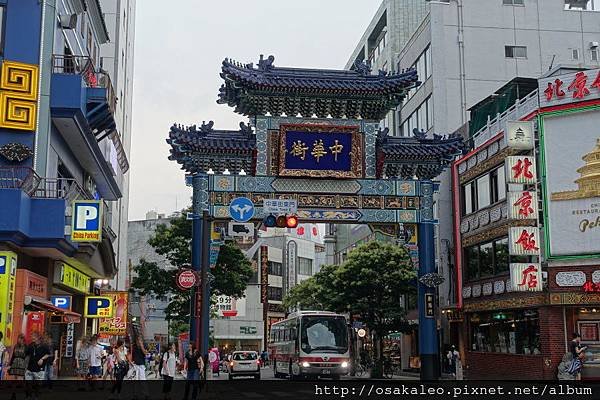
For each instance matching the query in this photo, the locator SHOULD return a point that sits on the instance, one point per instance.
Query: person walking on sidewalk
(138, 359)
(38, 354)
(194, 365)
(121, 369)
(52, 360)
(169, 365)
(95, 360)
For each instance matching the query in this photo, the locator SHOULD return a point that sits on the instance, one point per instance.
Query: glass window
(324, 335)
(275, 268)
(472, 262)
(422, 116)
(486, 259)
(245, 356)
(304, 266)
(501, 256)
(483, 191)
(589, 5)
(497, 185)
(515, 51)
(513, 332)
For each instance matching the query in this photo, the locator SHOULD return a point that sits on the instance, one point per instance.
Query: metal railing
(23, 178)
(61, 188)
(521, 108)
(92, 76)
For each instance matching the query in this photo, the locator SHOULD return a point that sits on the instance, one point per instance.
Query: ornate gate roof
(307, 92)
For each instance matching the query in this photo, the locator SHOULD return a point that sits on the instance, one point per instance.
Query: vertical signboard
(117, 324)
(8, 272)
(520, 169)
(70, 341)
(526, 277)
(524, 241)
(86, 221)
(519, 135)
(292, 248)
(523, 205)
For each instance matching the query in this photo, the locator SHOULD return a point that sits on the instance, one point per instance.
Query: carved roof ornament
(16, 152)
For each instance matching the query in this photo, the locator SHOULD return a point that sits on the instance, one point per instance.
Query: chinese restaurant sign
(519, 135)
(117, 324)
(522, 205)
(570, 146)
(569, 88)
(524, 241)
(526, 277)
(520, 169)
(320, 151)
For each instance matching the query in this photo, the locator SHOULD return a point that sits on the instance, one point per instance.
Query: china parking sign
(86, 221)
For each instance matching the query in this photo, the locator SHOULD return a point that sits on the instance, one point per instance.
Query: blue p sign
(98, 307)
(62, 302)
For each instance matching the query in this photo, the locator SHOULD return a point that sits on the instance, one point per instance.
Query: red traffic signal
(281, 221)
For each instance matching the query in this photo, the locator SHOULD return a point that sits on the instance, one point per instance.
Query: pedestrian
(95, 360)
(37, 354)
(138, 358)
(263, 358)
(169, 366)
(17, 363)
(578, 356)
(109, 366)
(453, 357)
(157, 364)
(52, 361)
(3, 356)
(194, 365)
(120, 370)
(82, 358)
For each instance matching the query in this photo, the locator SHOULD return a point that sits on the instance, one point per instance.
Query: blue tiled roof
(338, 93)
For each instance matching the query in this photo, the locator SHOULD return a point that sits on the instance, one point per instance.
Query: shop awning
(45, 305)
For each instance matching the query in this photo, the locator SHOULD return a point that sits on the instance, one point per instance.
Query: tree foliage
(232, 271)
(368, 285)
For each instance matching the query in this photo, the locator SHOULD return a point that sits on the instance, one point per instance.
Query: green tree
(232, 271)
(368, 285)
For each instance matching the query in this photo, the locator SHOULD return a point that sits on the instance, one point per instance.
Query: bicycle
(390, 368)
(363, 367)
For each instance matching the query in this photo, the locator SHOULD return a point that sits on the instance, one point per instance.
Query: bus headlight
(345, 364)
(305, 364)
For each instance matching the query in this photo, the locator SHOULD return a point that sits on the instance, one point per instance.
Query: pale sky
(179, 48)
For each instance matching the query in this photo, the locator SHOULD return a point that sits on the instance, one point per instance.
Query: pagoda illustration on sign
(589, 182)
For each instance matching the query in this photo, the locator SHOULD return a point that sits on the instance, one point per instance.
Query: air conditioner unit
(593, 45)
(68, 21)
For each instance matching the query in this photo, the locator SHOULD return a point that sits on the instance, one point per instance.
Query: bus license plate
(325, 372)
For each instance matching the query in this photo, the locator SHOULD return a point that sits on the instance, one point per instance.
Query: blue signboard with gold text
(320, 151)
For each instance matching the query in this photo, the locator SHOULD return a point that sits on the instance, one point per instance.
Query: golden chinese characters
(318, 150)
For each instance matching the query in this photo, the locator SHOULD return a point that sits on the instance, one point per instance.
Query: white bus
(310, 344)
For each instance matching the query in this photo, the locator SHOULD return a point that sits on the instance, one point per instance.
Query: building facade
(463, 50)
(523, 295)
(60, 117)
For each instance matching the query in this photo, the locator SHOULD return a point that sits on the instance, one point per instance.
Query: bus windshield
(324, 334)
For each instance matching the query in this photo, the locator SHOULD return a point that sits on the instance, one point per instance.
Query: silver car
(244, 363)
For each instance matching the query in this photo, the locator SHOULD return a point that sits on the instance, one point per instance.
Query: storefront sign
(569, 88)
(62, 302)
(87, 221)
(526, 277)
(292, 247)
(519, 135)
(230, 307)
(117, 324)
(572, 184)
(280, 206)
(248, 330)
(591, 287)
(34, 321)
(520, 169)
(522, 205)
(69, 345)
(98, 307)
(8, 272)
(68, 276)
(524, 240)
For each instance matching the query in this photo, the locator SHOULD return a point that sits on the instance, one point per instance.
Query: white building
(116, 57)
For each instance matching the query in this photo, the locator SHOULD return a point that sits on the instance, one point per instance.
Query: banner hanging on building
(117, 324)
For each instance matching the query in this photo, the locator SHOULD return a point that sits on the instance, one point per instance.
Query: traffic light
(281, 221)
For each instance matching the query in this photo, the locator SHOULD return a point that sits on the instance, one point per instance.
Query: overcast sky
(179, 47)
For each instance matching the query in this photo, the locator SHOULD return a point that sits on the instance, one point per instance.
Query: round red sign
(186, 279)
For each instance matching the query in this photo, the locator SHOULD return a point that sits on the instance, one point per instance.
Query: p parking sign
(98, 307)
(87, 221)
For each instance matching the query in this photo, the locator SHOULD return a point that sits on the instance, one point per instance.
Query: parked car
(244, 363)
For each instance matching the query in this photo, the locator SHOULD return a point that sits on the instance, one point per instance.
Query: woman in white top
(169, 364)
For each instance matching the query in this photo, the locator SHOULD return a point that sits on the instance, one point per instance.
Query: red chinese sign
(591, 287)
(524, 240)
(578, 88)
(529, 277)
(527, 241)
(524, 205)
(526, 277)
(520, 169)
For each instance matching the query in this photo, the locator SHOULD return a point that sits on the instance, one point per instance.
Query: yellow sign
(18, 95)
(98, 307)
(8, 273)
(117, 325)
(72, 278)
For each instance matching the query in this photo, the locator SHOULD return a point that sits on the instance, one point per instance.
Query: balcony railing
(92, 76)
(520, 109)
(35, 186)
(19, 178)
